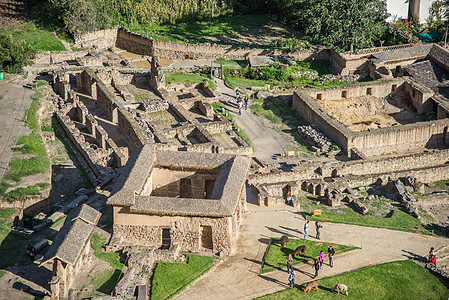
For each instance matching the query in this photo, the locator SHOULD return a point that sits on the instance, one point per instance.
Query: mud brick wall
(420, 96)
(129, 128)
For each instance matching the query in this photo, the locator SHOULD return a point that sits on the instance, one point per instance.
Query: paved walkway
(238, 277)
(266, 141)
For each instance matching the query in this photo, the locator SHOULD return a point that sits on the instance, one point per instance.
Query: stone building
(69, 252)
(189, 199)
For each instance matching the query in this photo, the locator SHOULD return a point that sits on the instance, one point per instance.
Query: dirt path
(238, 277)
(266, 141)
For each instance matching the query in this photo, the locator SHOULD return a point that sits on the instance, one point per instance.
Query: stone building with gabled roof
(191, 199)
(70, 248)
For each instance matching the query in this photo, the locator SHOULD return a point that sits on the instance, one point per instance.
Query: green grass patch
(19, 168)
(442, 184)
(2, 273)
(31, 117)
(13, 245)
(169, 279)
(6, 212)
(185, 77)
(276, 255)
(399, 220)
(39, 39)
(395, 280)
(234, 82)
(23, 192)
(31, 144)
(105, 282)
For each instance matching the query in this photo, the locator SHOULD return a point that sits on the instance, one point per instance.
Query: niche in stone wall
(206, 237)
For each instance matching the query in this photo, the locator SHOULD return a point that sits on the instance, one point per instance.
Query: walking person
(321, 259)
(331, 252)
(316, 265)
(240, 107)
(246, 102)
(291, 279)
(306, 229)
(289, 263)
(318, 227)
(431, 253)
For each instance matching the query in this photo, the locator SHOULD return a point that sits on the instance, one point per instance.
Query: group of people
(317, 264)
(318, 226)
(31, 251)
(240, 100)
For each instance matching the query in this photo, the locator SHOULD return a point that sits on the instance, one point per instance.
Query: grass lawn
(234, 82)
(39, 39)
(276, 255)
(169, 279)
(105, 282)
(395, 280)
(189, 78)
(382, 218)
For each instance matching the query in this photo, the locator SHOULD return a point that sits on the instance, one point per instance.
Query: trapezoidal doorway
(206, 237)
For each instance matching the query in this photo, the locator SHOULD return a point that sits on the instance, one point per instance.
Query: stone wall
(184, 231)
(101, 39)
(376, 141)
(128, 127)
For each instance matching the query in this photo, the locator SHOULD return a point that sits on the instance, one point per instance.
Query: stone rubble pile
(340, 78)
(144, 126)
(155, 105)
(315, 138)
(406, 199)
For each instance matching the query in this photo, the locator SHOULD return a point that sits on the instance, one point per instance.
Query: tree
(14, 55)
(337, 23)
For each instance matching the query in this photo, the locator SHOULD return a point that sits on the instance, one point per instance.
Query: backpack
(433, 259)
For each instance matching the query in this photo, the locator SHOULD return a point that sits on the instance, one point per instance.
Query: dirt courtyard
(369, 112)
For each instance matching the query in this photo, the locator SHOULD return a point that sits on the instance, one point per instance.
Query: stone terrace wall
(101, 39)
(128, 127)
(141, 44)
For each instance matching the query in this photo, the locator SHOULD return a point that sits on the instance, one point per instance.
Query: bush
(14, 55)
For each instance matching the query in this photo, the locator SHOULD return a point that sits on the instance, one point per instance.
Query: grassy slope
(276, 256)
(171, 278)
(344, 214)
(396, 280)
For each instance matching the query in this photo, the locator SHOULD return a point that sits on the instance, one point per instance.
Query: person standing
(321, 259)
(431, 253)
(316, 265)
(306, 229)
(240, 107)
(318, 227)
(291, 279)
(331, 253)
(289, 263)
(246, 102)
